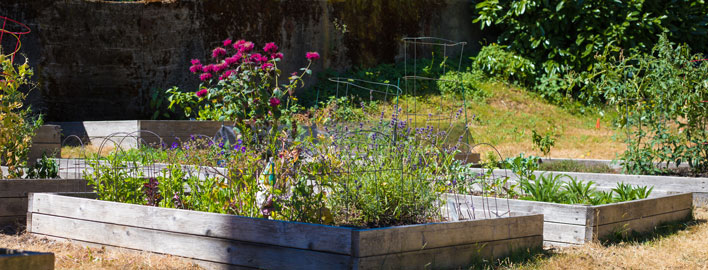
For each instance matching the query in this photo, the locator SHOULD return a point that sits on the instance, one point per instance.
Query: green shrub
(659, 99)
(497, 61)
(454, 83)
(561, 37)
(16, 125)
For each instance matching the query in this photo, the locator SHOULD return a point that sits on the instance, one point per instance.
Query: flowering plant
(243, 85)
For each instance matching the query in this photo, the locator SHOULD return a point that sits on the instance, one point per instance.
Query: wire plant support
(15, 29)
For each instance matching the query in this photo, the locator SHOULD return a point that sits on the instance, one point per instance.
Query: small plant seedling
(543, 143)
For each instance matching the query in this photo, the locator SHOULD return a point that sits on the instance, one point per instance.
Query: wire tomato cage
(15, 29)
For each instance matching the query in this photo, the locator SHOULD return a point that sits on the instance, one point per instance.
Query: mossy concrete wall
(98, 60)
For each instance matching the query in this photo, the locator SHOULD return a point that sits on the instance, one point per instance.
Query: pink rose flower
(216, 53)
(247, 47)
(276, 56)
(202, 93)
(196, 68)
(274, 102)
(227, 42)
(205, 76)
(208, 68)
(195, 62)
(267, 66)
(312, 56)
(270, 47)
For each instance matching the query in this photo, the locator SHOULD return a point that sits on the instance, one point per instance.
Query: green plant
(546, 188)
(43, 169)
(627, 192)
(522, 166)
(16, 125)
(562, 37)
(659, 99)
(462, 83)
(497, 61)
(543, 143)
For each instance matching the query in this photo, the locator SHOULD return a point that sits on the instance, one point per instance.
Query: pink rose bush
(242, 84)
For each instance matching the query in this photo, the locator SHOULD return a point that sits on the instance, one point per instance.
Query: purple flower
(274, 102)
(175, 145)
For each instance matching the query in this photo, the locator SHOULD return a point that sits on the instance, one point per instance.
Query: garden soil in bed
(225, 241)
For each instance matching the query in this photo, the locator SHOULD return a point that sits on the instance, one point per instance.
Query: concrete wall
(100, 60)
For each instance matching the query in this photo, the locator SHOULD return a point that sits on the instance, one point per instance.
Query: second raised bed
(566, 224)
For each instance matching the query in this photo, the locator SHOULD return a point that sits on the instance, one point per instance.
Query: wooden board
(552, 212)
(13, 207)
(616, 212)
(281, 233)
(450, 257)
(186, 245)
(437, 235)
(50, 134)
(641, 225)
(20, 188)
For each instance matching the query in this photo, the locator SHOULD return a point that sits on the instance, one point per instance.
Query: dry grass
(78, 257)
(684, 249)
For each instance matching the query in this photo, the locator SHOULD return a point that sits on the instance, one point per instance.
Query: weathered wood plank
(565, 233)
(429, 236)
(616, 212)
(454, 257)
(47, 134)
(190, 246)
(23, 260)
(20, 188)
(552, 212)
(281, 233)
(641, 225)
(13, 207)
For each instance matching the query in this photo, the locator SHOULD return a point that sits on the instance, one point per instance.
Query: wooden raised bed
(228, 241)
(46, 141)
(566, 224)
(13, 195)
(169, 130)
(22, 260)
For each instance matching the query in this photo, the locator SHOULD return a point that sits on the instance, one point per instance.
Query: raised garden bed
(566, 224)
(46, 141)
(233, 241)
(663, 185)
(127, 131)
(13, 196)
(22, 260)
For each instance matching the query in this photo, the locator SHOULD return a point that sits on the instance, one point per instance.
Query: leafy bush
(561, 37)
(462, 83)
(659, 99)
(16, 125)
(543, 143)
(497, 61)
